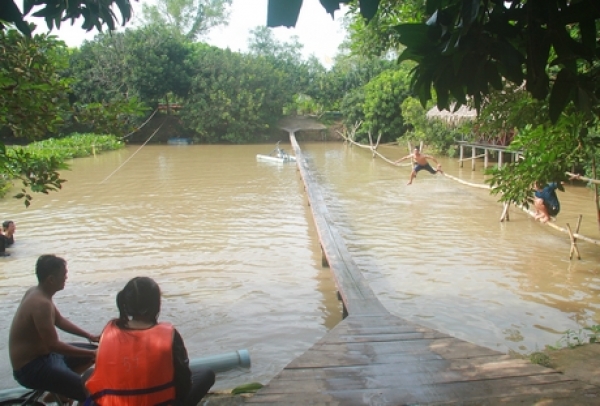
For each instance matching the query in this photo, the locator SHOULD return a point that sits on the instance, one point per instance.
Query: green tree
(466, 48)
(30, 84)
(378, 36)
(549, 151)
(147, 63)
(233, 98)
(383, 99)
(190, 18)
(285, 57)
(348, 73)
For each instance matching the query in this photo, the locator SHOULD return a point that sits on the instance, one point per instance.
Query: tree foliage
(285, 57)
(146, 63)
(378, 36)
(549, 151)
(35, 101)
(190, 18)
(439, 136)
(30, 82)
(383, 99)
(467, 47)
(233, 97)
(95, 13)
(349, 72)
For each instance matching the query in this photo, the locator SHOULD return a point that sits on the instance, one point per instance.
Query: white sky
(317, 31)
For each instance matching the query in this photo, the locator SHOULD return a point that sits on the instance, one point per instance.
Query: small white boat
(277, 155)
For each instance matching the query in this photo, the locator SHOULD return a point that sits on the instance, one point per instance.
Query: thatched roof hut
(464, 113)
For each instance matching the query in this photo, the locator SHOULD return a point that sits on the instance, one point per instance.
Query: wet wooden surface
(375, 358)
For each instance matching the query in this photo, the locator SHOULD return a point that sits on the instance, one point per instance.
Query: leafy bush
(38, 163)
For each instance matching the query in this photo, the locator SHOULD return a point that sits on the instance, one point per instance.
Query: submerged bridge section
(375, 358)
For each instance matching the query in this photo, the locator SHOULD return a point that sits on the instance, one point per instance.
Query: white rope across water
(132, 155)
(573, 235)
(143, 124)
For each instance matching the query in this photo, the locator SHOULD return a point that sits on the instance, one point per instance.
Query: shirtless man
(39, 359)
(420, 163)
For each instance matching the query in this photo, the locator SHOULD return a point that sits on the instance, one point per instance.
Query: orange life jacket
(134, 367)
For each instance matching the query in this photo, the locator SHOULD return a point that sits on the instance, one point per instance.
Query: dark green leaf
(283, 12)
(469, 13)
(561, 94)
(588, 35)
(413, 35)
(368, 8)
(492, 75)
(432, 6)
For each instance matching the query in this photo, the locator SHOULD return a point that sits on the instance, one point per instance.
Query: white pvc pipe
(223, 362)
(218, 363)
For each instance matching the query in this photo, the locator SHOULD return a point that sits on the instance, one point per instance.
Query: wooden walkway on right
(375, 358)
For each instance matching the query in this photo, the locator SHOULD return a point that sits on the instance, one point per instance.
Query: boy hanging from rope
(421, 163)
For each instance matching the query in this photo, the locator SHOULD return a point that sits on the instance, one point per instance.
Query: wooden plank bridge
(375, 358)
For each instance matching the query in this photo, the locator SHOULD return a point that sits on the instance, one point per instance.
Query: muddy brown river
(232, 244)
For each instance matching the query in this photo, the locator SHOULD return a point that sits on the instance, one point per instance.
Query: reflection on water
(229, 240)
(436, 254)
(232, 244)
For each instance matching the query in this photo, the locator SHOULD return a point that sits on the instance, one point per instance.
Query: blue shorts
(54, 373)
(427, 167)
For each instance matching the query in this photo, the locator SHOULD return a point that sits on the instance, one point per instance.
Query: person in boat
(141, 361)
(420, 164)
(8, 230)
(38, 358)
(546, 201)
(278, 152)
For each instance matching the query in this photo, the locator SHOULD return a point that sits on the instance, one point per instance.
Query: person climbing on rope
(546, 202)
(421, 163)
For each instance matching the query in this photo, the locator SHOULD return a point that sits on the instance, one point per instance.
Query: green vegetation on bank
(73, 146)
(36, 164)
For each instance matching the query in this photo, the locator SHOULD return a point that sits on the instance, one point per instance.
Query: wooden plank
(373, 357)
(537, 394)
(398, 388)
(435, 381)
(355, 291)
(432, 370)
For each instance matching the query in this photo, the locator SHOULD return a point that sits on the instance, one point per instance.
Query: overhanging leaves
(285, 12)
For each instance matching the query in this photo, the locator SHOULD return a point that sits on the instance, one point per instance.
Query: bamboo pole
(460, 158)
(583, 178)
(596, 191)
(574, 249)
(410, 150)
(371, 145)
(473, 156)
(505, 216)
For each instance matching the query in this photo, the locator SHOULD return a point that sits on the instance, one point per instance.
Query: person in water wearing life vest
(141, 361)
(40, 360)
(420, 164)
